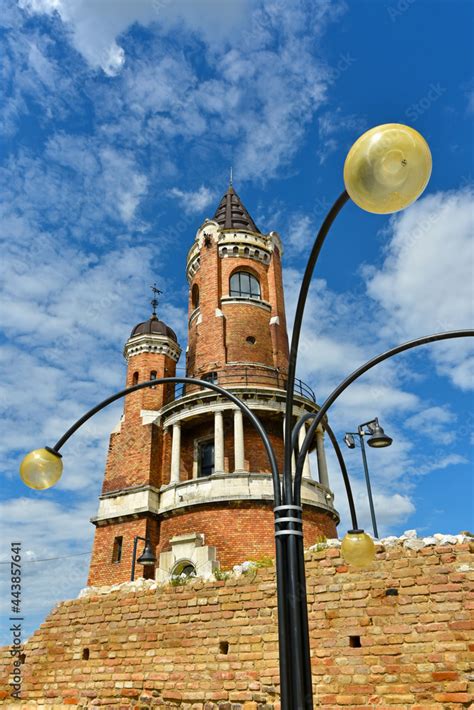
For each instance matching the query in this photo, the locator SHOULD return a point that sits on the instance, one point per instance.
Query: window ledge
(248, 300)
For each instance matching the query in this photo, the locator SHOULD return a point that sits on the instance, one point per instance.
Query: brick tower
(184, 468)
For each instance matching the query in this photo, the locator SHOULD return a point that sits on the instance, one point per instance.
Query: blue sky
(119, 124)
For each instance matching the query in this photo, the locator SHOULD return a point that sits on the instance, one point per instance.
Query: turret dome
(153, 326)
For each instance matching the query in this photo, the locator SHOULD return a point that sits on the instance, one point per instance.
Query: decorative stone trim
(232, 237)
(193, 267)
(223, 487)
(264, 244)
(242, 251)
(195, 314)
(258, 398)
(152, 343)
(145, 499)
(244, 300)
(188, 548)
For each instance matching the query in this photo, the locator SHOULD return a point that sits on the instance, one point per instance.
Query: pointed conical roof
(231, 213)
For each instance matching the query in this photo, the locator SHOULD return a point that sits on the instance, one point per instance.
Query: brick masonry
(139, 453)
(216, 341)
(213, 645)
(240, 531)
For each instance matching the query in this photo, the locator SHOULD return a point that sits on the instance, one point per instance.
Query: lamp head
(358, 549)
(387, 168)
(41, 468)
(349, 441)
(147, 557)
(378, 438)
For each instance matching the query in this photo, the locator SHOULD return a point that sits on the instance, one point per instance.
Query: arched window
(184, 568)
(153, 375)
(245, 285)
(195, 296)
(135, 378)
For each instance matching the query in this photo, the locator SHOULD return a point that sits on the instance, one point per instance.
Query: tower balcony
(248, 376)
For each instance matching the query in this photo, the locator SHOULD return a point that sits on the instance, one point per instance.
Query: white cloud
(268, 77)
(301, 232)
(392, 508)
(425, 283)
(96, 25)
(441, 463)
(193, 201)
(437, 423)
(340, 333)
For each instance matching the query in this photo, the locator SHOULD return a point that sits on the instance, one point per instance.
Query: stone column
(321, 454)
(176, 453)
(306, 465)
(218, 442)
(239, 444)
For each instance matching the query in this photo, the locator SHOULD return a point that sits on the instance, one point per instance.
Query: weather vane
(154, 301)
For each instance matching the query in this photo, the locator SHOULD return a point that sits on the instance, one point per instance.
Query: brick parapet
(167, 646)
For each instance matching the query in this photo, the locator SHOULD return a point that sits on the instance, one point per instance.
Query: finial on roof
(231, 180)
(154, 300)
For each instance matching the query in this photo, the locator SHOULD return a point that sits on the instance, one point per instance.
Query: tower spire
(231, 213)
(154, 301)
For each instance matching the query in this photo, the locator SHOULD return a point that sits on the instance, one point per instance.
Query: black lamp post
(386, 170)
(378, 440)
(147, 558)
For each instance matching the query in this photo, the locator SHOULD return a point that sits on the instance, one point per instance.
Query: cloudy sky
(119, 124)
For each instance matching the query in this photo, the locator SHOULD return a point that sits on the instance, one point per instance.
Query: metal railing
(251, 376)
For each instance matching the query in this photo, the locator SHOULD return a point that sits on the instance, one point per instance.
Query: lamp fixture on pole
(378, 440)
(147, 558)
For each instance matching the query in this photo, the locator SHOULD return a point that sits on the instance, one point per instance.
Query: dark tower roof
(155, 327)
(231, 214)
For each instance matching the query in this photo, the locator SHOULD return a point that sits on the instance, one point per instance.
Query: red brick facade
(135, 452)
(216, 341)
(244, 341)
(239, 531)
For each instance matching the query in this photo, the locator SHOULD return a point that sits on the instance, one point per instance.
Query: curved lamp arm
(190, 381)
(354, 376)
(340, 458)
(295, 338)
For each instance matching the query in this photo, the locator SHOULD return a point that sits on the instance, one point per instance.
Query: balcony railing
(251, 376)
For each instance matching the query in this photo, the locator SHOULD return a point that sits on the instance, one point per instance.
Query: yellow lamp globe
(387, 168)
(358, 549)
(41, 469)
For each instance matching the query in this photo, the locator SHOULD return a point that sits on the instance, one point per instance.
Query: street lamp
(147, 558)
(386, 170)
(378, 440)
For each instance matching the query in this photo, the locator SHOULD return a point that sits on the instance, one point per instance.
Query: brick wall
(166, 647)
(135, 452)
(217, 340)
(239, 530)
(103, 570)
